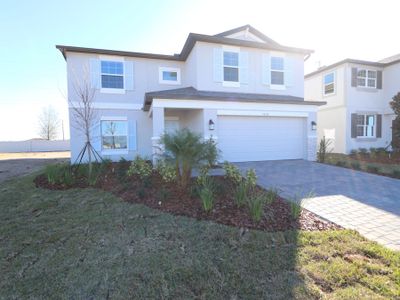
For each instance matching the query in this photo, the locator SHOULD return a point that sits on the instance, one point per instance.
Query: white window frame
(161, 80)
(365, 126)
(114, 151)
(272, 85)
(366, 78)
(112, 90)
(324, 84)
(230, 83)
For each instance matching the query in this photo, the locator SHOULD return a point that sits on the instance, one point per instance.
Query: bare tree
(48, 123)
(84, 116)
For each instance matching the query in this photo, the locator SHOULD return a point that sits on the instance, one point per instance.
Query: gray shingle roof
(190, 93)
(189, 44)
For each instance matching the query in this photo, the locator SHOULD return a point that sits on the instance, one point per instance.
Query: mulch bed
(169, 198)
(394, 158)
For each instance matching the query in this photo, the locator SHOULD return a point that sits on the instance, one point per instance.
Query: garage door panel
(242, 138)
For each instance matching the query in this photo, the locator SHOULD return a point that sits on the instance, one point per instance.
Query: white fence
(34, 146)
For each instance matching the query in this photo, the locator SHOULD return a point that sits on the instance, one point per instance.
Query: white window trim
(367, 78)
(365, 126)
(112, 90)
(277, 86)
(324, 84)
(169, 69)
(230, 83)
(114, 151)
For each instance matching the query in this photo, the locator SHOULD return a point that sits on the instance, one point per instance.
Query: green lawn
(86, 243)
(334, 158)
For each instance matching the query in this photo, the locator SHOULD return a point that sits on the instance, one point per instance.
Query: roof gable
(247, 33)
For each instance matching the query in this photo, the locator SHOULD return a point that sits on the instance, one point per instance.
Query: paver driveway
(365, 202)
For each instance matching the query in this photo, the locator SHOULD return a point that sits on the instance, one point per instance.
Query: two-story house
(238, 87)
(357, 93)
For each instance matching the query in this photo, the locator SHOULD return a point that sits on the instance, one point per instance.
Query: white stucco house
(238, 87)
(357, 93)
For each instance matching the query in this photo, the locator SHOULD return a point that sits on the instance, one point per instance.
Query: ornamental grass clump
(255, 204)
(207, 192)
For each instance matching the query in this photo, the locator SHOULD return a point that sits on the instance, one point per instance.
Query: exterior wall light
(313, 125)
(211, 125)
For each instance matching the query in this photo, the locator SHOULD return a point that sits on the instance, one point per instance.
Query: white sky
(335, 30)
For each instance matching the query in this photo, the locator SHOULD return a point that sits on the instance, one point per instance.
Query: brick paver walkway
(356, 200)
(373, 223)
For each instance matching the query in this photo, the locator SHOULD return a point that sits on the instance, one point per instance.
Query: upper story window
(277, 70)
(366, 78)
(231, 66)
(329, 83)
(112, 74)
(366, 125)
(114, 134)
(169, 75)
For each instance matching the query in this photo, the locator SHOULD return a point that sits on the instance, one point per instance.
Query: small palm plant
(187, 150)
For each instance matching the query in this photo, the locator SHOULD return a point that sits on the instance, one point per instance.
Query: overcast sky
(33, 72)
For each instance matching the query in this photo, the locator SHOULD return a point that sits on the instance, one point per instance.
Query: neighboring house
(357, 93)
(238, 87)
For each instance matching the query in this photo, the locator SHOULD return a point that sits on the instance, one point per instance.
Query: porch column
(158, 130)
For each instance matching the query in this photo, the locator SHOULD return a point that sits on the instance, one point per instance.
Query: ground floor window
(114, 134)
(366, 125)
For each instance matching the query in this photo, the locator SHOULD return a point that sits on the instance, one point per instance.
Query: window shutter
(378, 126)
(132, 135)
(288, 77)
(218, 65)
(94, 65)
(244, 67)
(96, 137)
(353, 126)
(354, 77)
(379, 80)
(129, 75)
(266, 69)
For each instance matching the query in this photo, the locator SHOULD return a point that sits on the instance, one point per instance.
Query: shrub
(381, 151)
(245, 188)
(163, 195)
(363, 151)
(354, 152)
(251, 178)
(396, 173)
(355, 165)
(141, 193)
(140, 167)
(166, 170)
(341, 163)
(373, 150)
(122, 169)
(373, 169)
(187, 150)
(232, 172)
(256, 206)
(323, 149)
(206, 193)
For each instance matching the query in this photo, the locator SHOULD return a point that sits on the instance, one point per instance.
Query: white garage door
(242, 138)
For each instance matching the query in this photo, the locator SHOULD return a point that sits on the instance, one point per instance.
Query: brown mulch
(169, 198)
(394, 158)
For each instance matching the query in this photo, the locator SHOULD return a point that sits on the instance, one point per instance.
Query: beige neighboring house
(357, 93)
